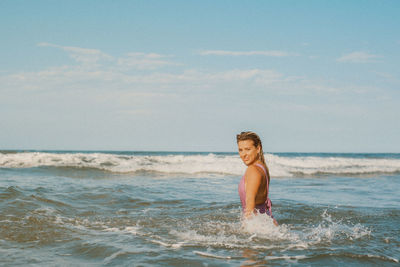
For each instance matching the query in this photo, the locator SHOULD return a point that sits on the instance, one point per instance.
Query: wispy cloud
(120, 74)
(268, 53)
(94, 57)
(82, 55)
(144, 61)
(384, 75)
(359, 57)
(153, 83)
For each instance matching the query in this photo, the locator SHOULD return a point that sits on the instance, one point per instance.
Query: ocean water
(68, 208)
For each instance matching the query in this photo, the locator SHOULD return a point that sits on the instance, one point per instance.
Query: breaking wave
(202, 163)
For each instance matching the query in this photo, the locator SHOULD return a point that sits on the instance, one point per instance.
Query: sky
(307, 76)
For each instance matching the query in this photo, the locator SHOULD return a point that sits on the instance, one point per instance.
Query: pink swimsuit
(262, 208)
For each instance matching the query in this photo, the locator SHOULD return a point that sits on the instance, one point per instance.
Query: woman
(254, 185)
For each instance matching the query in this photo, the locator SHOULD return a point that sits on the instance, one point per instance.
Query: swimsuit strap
(266, 174)
(262, 166)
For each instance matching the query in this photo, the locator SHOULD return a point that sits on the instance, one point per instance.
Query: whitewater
(286, 165)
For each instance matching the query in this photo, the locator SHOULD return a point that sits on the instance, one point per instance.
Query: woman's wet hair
(249, 136)
(243, 136)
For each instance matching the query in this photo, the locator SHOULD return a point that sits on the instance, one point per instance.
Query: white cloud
(120, 74)
(268, 53)
(358, 57)
(384, 75)
(153, 84)
(94, 58)
(82, 55)
(144, 61)
(113, 96)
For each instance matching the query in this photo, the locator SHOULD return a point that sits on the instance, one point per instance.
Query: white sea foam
(328, 229)
(331, 165)
(112, 229)
(259, 230)
(191, 164)
(108, 259)
(205, 164)
(164, 244)
(210, 255)
(262, 226)
(286, 257)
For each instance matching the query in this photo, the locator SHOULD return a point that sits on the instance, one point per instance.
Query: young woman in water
(254, 185)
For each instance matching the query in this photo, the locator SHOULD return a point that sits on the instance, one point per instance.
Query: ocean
(115, 208)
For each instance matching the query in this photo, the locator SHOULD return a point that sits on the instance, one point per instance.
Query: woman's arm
(253, 180)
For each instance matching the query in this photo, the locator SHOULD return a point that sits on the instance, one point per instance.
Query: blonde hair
(256, 141)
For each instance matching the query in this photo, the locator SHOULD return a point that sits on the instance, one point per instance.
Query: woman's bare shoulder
(253, 171)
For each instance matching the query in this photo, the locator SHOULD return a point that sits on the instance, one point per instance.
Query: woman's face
(248, 152)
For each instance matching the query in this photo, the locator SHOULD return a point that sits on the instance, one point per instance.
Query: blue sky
(308, 76)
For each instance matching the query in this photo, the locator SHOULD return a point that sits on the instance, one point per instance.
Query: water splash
(260, 232)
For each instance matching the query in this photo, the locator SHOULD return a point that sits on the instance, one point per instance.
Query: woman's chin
(249, 162)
